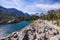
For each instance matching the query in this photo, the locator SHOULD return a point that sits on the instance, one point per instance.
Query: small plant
(57, 22)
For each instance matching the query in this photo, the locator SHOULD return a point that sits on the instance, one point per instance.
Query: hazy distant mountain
(12, 11)
(26, 14)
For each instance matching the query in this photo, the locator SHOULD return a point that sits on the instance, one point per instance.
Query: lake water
(9, 28)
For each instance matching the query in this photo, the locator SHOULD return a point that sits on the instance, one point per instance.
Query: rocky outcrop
(39, 30)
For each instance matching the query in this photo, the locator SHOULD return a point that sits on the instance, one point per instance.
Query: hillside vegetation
(52, 15)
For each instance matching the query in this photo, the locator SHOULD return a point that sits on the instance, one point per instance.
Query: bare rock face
(38, 30)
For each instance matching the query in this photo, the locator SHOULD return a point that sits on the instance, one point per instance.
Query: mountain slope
(15, 12)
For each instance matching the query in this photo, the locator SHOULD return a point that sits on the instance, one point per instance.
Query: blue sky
(31, 6)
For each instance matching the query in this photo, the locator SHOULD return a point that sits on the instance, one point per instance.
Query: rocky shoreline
(38, 30)
(9, 22)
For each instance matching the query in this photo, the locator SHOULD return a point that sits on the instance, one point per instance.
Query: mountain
(15, 12)
(2, 8)
(3, 11)
(12, 15)
(12, 11)
(26, 14)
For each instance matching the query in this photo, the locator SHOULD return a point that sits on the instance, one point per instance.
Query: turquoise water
(9, 28)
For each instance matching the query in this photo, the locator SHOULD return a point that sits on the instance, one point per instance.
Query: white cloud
(29, 7)
(48, 6)
(17, 2)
